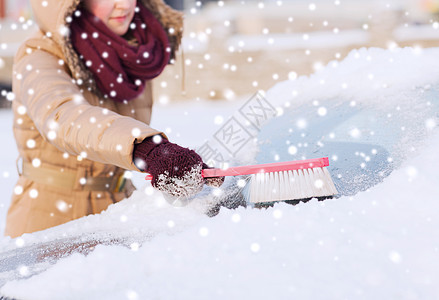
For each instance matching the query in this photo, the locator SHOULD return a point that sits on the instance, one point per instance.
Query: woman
(82, 106)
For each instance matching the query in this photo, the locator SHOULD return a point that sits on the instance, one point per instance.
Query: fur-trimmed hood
(53, 17)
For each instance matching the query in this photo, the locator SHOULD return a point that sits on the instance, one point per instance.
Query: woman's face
(116, 14)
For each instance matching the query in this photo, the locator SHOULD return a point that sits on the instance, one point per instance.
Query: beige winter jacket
(65, 133)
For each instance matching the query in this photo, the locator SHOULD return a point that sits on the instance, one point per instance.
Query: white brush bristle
(291, 185)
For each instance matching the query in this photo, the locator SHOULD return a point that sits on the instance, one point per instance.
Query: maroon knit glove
(175, 170)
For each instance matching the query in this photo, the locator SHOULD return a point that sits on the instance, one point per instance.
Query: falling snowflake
(430, 124)
(204, 231)
(18, 190)
(30, 143)
(355, 133)
(322, 111)
(33, 193)
(149, 190)
(21, 110)
(277, 214)
(411, 172)
(292, 150)
(395, 257)
(51, 135)
(62, 206)
(292, 76)
(135, 246)
(132, 295)
(255, 247)
(23, 271)
(36, 163)
(218, 120)
(301, 124)
(236, 218)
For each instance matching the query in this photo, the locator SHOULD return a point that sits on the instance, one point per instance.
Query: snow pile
(371, 76)
(142, 216)
(379, 244)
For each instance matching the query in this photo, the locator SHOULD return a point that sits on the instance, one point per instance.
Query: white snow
(371, 76)
(378, 244)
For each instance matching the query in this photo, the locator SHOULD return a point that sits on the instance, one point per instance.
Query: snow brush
(291, 180)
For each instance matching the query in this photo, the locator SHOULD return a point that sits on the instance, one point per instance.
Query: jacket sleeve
(65, 119)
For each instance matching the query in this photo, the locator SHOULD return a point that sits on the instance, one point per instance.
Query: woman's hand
(175, 170)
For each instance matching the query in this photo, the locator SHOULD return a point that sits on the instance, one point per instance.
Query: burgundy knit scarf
(119, 68)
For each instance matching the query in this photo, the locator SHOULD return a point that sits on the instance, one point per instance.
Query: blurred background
(231, 48)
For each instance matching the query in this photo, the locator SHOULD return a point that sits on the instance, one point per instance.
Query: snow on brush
(380, 243)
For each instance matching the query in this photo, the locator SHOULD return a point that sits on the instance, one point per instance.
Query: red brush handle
(265, 168)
